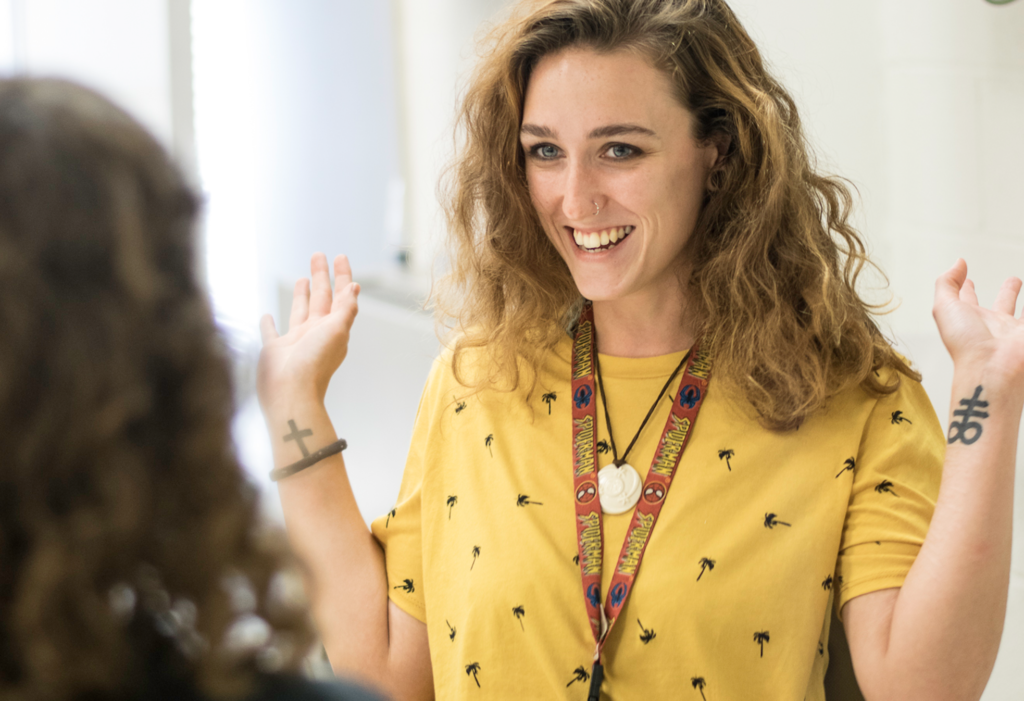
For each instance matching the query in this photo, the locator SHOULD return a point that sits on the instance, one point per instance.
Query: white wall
(297, 141)
(436, 51)
(119, 47)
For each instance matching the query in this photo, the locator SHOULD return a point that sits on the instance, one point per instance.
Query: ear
(718, 144)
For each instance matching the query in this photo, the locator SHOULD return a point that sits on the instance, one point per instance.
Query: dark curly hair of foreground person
(133, 563)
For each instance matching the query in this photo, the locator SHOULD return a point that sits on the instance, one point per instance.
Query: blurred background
(323, 125)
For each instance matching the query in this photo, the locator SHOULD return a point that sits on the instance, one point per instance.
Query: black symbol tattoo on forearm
(297, 436)
(965, 430)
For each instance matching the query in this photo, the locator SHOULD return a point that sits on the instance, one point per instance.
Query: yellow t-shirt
(760, 534)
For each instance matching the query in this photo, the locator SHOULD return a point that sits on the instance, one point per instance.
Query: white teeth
(597, 239)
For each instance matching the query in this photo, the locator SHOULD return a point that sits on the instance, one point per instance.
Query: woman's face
(613, 170)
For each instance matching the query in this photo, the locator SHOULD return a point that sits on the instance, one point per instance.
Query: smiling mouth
(601, 240)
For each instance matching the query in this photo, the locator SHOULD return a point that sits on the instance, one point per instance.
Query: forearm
(345, 576)
(948, 617)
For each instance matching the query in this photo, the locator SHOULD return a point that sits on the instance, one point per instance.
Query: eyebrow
(599, 133)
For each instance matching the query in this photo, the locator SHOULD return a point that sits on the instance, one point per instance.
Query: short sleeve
(895, 485)
(399, 531)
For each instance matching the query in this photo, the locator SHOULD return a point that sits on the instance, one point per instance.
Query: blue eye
(546, 152)
(621, 151)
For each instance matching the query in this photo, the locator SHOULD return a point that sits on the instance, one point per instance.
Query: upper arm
(868, 620)
(409, 675)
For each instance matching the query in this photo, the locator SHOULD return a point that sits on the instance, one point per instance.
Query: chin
(595, 291)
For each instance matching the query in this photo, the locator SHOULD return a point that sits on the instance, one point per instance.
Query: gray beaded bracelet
(288, 470)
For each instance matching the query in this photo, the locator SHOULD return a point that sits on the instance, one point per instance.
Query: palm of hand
(974, 334)
(303, 360)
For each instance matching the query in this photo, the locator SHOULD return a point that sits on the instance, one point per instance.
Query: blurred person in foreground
(133, 561)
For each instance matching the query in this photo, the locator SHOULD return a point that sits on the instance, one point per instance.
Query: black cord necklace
(619, 483)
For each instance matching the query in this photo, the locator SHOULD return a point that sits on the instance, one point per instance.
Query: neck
(643, 328)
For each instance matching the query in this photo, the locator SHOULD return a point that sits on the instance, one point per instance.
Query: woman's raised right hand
(299, 364)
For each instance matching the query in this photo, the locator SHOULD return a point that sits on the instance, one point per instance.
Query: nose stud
(597, 208)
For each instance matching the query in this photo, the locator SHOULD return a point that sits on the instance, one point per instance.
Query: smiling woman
(688, 139)
(634, 216)
(641, 163)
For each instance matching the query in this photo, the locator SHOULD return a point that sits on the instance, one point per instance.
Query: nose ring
(597, 208)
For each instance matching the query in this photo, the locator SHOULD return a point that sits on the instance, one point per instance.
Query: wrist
(298, 434)
(289, 405)
(997, 384)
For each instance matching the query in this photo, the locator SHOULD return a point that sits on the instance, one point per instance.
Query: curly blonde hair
(775, 258)
(130, 540)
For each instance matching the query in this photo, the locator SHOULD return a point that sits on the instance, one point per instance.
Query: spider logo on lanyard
(582, 397)
(586, 492)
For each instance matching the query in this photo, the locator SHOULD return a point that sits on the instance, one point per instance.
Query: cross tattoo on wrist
(965, 430)
(297, 436)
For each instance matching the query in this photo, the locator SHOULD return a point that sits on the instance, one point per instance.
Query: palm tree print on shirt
(519, 612)
(726, 455)
(406, 586)
(473, 669)
(827, 584)
(771, 521)
(761, 638)
(488, 441)
(886, 487)
(705, 563)
(476, 554)
(647, 635)
(548, 398)
(821, 649)
(390, 515)
(848, 464)
(524, 500)
(576, 559)
(699, 684)
(459, 407)
(451, 502)
(451, 630)
(899, 418)
(603, 447)
(582, 675)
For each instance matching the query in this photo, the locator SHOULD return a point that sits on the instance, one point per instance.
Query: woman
(633, 174)
(135, 565)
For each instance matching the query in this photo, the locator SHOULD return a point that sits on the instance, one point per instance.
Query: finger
(346, 304)
(343, 285)
(320, 296)
(268, 332)
(300, 304)
(1006, 299)
(342, 272)
(968, 294)
(947, 286)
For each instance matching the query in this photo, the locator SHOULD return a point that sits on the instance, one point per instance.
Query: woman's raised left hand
(976, 336)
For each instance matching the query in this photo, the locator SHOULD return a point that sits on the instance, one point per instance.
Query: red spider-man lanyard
(686, 404)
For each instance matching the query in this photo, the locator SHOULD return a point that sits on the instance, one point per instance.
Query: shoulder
(466, 365)
(280, 687)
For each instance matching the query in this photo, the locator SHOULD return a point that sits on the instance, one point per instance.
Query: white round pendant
(619, 487)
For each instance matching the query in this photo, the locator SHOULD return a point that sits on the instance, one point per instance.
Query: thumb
(947, 286)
